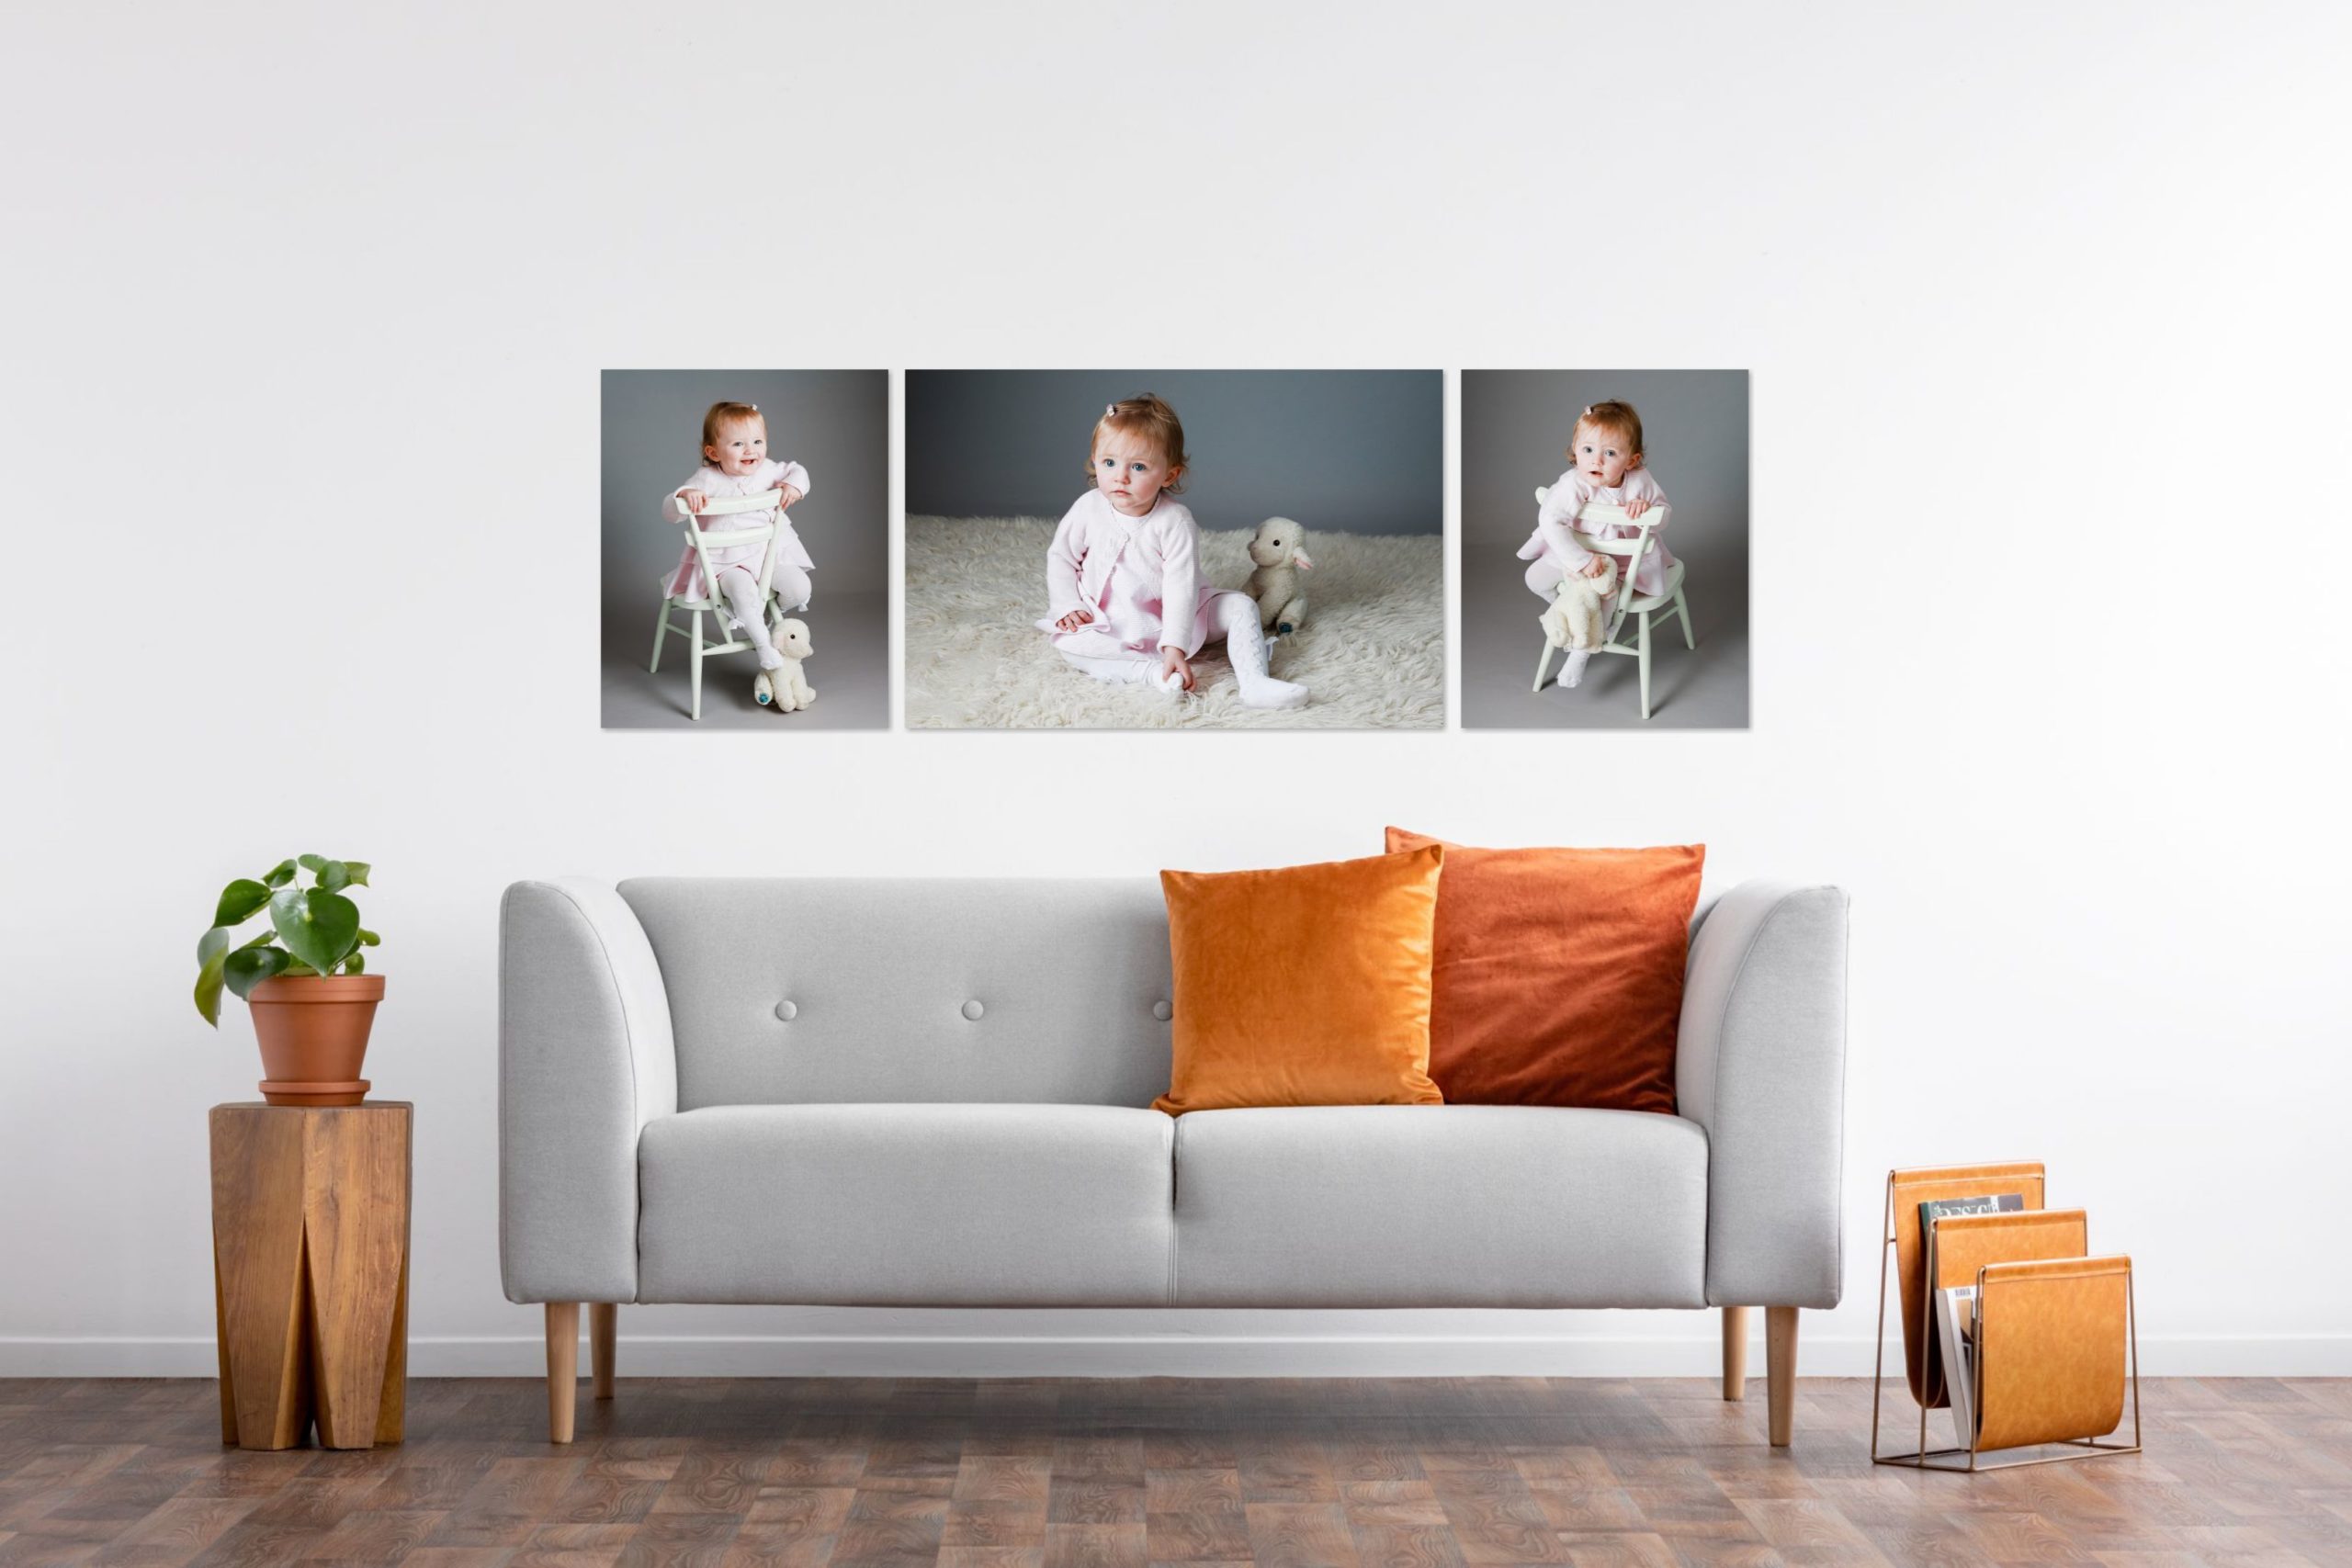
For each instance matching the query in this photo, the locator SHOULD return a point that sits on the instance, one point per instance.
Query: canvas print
(745, 526)
(1604, 543)
(1147, 548)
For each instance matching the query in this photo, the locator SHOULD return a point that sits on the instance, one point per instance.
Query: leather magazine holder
(2056, 1335)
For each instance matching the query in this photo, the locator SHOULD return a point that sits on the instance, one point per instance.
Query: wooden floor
(1083, 1471)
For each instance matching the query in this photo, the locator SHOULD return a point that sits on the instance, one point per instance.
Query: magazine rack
(2054, 1327)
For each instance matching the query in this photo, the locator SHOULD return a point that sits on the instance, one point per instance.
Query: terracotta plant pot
(313, 1035)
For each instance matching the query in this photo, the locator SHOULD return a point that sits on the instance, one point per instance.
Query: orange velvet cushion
(1308, 985)
(1558, 978)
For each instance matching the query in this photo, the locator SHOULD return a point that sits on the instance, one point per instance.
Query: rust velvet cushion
(1558, 978)
(1307, 985)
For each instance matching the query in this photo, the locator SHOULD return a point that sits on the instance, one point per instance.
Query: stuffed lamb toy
(785, 688)
(1279, 553)
(1579, 617)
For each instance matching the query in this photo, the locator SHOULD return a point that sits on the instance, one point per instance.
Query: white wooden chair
(766, 530)
(1629, 554)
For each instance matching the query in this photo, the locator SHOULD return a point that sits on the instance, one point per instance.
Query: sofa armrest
(1761, 1064)
(585, 1059)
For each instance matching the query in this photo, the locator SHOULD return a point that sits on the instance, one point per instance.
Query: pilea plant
(319, 926)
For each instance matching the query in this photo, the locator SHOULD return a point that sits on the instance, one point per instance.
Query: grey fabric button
(1162, 1011)
(973, 1011)
(786, 1011)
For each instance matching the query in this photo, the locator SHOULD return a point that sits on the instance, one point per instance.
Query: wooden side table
(310, 1270)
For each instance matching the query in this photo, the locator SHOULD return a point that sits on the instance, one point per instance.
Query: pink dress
(687, 581)
(1551, 540)
(1140, 576)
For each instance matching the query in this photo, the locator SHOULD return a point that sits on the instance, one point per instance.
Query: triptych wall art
(1145, 548)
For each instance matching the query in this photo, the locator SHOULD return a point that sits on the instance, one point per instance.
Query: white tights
(742, 591)
(1233, 616)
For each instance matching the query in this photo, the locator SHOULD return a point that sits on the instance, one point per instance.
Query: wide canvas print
(1137, 549)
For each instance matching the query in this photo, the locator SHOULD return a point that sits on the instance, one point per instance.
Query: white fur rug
(1373, 651)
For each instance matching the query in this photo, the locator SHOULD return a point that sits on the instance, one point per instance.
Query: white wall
(2046, 315)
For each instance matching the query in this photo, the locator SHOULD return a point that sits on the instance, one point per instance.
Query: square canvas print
(745, 549)
(1232, 550)
(1605, 549)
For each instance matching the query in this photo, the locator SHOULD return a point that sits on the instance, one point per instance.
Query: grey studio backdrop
(1515, 428)
(1342, 451)
(835, 424)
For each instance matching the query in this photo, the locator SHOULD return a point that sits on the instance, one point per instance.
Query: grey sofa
(937, 1093)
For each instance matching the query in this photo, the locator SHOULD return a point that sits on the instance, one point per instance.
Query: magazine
(2001, 1203)
(1937, 1209)
(1956, 1331)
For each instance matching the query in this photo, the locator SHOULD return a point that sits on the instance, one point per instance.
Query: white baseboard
(944, 1355)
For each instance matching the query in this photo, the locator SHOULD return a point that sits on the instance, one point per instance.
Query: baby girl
(735, 462)
(1124, 598)
(1606, 451)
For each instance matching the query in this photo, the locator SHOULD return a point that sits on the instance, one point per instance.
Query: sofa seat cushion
(1439, 1205)
(907, 1204)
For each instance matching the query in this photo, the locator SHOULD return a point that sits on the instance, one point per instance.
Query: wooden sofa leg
(1780, 1371)
(603, 1321)
(1735, 1353)
(563, 1368)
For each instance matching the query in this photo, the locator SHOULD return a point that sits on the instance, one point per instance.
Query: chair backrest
(769, 501)
(1602, 515)
(933, 990)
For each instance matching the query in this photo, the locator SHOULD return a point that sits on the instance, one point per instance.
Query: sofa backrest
(881, 978)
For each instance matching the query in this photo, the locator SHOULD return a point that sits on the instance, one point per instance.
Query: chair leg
(696, 709)
(1735, 1353)
(603, 1320)
(563, 1368)
(1542, 662)
(1780, 1372)
(1682, 608)
(1642, 640)
(661, 636)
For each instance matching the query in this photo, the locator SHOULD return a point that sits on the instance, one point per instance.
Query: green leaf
(314, 864)
(281, 874)
(334, 876)
(357, 870)
(249, 967)
(295, 969)
(211, 951)
(355, 964)
(317, 927)
(368, 937)
(208, 993)
(240, 901)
